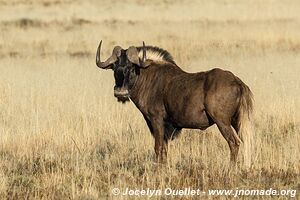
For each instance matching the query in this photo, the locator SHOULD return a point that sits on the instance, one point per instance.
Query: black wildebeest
(171, 99)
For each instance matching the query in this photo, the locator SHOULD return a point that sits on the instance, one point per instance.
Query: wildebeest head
(126, 65)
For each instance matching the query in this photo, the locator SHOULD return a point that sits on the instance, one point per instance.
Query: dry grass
(64, 136)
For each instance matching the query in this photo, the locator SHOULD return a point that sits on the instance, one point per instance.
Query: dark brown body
(171, 99)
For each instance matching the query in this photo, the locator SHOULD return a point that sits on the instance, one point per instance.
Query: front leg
(161, 144)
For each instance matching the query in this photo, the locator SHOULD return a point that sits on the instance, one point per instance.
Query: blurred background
(63, 134)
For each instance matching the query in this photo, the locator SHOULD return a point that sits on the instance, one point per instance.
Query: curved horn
(133, 55)
(144, 52)
(144, 62)
(113, 58)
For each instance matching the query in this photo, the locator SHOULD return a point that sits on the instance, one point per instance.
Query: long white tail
(245, 125)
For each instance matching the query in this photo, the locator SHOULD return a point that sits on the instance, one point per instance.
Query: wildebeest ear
(132, 55)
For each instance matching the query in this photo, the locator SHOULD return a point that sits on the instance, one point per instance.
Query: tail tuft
(245, 124)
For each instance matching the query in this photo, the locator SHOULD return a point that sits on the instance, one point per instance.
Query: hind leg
(233, 142)
(224, 125)
(221, 103)
(235, 125)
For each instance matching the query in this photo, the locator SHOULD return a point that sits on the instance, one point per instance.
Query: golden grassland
(64, 136)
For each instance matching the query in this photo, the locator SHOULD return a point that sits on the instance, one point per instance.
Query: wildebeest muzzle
(121, 93)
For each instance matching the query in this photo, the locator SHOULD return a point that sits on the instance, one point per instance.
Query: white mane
(152, 55)
(156, 54)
